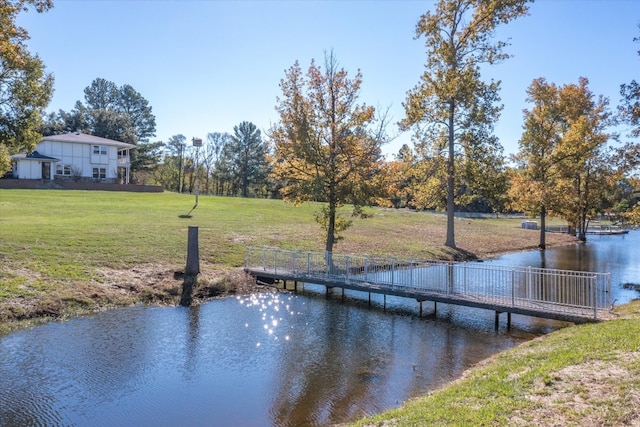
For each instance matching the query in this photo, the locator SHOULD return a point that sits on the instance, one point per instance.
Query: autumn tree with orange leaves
(451, 109)
(326, 145)
(533, 188)
(566, 164)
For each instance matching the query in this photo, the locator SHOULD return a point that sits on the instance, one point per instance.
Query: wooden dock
(545, 293)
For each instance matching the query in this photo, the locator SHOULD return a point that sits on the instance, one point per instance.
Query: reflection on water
(615, 254)
(271, 359)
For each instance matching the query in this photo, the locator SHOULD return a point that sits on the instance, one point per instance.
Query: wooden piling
(192, 268)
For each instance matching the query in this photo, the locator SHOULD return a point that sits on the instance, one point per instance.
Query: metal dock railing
(547, 293)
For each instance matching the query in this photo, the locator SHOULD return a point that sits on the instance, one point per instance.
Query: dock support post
(369, 299)
(421, 309)
(384, 305)
(435, 309)
(497, 319)
(192, 268)
(342, 294)
(295, 286)
(508, 321)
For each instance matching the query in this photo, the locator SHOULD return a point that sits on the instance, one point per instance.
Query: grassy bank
(586, 375)
(64, 253)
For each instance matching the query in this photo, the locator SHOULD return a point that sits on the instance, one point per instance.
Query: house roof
(34, 156)
(81, 138)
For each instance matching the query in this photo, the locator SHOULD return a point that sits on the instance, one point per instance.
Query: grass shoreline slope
(585, 375)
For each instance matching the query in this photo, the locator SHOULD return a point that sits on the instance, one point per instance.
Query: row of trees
(225, 165)
(564, 164)
(326, 146)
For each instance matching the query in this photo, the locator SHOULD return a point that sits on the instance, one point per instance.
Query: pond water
(273, 359)
(615, 254)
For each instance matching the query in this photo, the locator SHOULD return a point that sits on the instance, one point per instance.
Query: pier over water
(573, 296)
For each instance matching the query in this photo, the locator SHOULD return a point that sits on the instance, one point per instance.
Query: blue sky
(206, 66)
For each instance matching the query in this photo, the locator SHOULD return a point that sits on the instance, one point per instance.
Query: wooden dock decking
(545, 293)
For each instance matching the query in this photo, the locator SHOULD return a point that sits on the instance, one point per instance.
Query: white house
(75, 156)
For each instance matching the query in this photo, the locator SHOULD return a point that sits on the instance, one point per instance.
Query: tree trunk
(180, 174)
(451, 241)
(331, 227)
(543, 226)
(582, 211)
(245, 184)
(190, 186)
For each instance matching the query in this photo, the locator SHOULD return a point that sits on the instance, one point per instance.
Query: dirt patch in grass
(588, 394)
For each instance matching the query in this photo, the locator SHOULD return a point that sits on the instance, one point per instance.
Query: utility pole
(197, 142)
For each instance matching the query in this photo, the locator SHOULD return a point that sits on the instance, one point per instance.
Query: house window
(99, 149)
(63, 170)
(99, 173)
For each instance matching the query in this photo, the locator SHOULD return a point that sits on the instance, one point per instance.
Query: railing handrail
(524, 286)
(417, 262)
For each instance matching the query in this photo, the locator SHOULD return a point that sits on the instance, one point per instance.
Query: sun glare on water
(273, 308)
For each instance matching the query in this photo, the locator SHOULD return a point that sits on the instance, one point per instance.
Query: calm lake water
(616, 254)
(276, 359)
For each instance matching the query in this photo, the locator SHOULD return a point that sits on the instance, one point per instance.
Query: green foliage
(247, 154)
(25, 88)
(118, 113)
(217, 164)
(171, 173)
(60, 249)
(630, 107)
(5, 160)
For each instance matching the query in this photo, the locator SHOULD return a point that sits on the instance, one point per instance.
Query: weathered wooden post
(192, 268)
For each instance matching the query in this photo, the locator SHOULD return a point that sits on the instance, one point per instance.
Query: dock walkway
(573, 296)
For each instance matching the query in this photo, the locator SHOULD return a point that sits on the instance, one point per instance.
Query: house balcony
(124, 161)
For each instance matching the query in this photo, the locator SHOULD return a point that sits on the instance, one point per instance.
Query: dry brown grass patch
(587, 394)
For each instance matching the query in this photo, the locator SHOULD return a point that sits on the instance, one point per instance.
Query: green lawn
(63, 249)
(120, 230)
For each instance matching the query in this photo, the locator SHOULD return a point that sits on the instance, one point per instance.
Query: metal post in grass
(192, 268)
